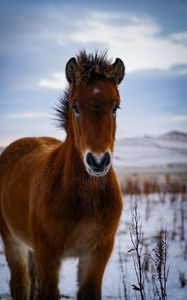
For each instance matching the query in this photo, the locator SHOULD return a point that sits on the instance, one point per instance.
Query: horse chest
(85, 237)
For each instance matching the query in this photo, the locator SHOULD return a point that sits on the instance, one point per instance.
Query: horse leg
(33, 275)
(17, 258)
(90, 272)
(48, 265)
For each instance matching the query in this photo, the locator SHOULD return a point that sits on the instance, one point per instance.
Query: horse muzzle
(97, 164)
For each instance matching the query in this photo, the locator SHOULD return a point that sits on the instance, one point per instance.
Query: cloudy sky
(38, 37)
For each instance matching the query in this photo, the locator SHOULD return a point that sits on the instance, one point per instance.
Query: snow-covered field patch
(156, 213)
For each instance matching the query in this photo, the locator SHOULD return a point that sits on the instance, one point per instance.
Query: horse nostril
(106, 160)
(90, 160)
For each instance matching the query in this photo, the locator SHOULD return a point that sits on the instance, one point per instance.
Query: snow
(161, 214)
(167, 153)
(160, 217)
(150, 151)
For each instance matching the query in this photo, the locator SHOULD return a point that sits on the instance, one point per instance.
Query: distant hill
(166, 153)
(175, 135)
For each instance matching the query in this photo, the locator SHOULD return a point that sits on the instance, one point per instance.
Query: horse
(62, 199)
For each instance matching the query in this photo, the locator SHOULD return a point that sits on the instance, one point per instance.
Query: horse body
(51, 202)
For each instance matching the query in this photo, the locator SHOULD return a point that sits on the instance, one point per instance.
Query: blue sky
(38, 37)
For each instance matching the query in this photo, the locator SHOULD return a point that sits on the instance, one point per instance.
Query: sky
(37, 38)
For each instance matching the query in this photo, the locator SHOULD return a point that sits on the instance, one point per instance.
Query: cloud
(175, 119)
(131, 37)
(179, 118)
(45, 37)
(179, 37)
(37, 41)
(27, 115)
(58, 81)
(179, 69)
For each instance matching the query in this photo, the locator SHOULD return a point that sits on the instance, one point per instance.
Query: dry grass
(151, 266)
(145, 185)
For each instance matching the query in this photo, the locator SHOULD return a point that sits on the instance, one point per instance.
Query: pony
(62, 199)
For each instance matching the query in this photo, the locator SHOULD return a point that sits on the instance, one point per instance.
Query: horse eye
(115, 109)
(75, 107)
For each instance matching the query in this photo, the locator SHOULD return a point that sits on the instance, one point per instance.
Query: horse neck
(72, 156)
(69, 178)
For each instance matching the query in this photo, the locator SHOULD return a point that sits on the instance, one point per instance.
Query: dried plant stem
(136, 236)
(160, 266)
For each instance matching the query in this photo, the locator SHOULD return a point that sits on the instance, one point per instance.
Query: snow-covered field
(155, 155)
(161, 213)
(152, 156)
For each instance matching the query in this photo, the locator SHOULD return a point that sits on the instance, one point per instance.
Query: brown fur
(48, 201)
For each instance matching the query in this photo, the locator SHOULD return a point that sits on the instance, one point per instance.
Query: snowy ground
(160, 213)
(150, 156)
(153, 155)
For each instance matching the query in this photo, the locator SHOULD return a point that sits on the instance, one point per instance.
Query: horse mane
(92, 66)
(62, 109)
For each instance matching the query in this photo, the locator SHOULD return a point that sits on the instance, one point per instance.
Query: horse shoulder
(20, 163)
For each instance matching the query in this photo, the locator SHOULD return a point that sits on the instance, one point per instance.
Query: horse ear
(71, 68)
(119, 70)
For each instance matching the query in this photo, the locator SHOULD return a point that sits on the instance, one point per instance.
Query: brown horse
(61, 200)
